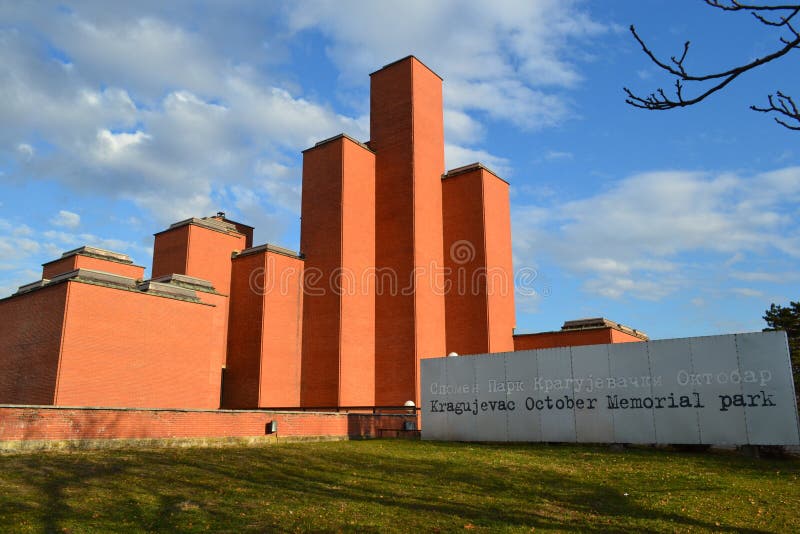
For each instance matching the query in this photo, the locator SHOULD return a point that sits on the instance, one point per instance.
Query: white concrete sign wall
(734, 389)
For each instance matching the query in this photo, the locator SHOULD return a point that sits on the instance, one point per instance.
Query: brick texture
(30, 342)
(593, 336)
(54, 423)
(477, 253)
(338, 241)
(78, 261)
(407, 135)
(264, 342)
(130, 349)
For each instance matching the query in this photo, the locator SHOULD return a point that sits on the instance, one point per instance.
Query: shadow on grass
(362, 486)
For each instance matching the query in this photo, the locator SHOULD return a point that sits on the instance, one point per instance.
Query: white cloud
(457, 156)
(771, 277)
(146, 104)
(506, 60)
(66, 219)
(633, 238)
(26, 150)
(558, 154)
(747, 292)
(152, 108)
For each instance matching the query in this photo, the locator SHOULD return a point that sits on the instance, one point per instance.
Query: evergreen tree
(788, 319)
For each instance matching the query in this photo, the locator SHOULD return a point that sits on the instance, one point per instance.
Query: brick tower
(407, 135)
(477, 254)
(337, 235)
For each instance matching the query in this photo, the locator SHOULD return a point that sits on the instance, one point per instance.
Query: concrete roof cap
(269, 248)
(410, 56)
(469, 168)
(210, 223)
(337, 137)
(601, 322)
(95, 252)
(185, 281)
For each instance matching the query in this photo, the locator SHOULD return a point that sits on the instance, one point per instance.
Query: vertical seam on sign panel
(652, 410)
(613, 412)
(538, 374)
(61, 343)
(340, 263)
(505, 377)
(697, 410)
(741, 386)
(415, 366)
(791, 381)
(574, 409)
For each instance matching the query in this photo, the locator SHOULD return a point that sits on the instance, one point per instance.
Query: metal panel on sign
(629, 394)
(676, 416)
(434, 388)
(734, 390)
(492, 407)
(594, 422)
(523, 424)
(714, 359)
(553, 400)
(768, 391)
(461, 419)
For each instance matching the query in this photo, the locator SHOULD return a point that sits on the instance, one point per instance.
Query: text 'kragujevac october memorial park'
(399, 261)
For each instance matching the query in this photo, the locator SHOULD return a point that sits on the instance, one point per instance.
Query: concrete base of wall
(10, 447)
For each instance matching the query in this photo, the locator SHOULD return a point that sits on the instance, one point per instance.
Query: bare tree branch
(780, 103)
(784, 105)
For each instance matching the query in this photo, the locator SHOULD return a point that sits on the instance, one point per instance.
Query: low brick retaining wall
(32, 427)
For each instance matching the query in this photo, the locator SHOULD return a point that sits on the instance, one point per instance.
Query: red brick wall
(281, 341)
(209, 256)
(499, 264)
(56, 423)
(170, 252)
(321, 244)
(131, 349)
(546, 340)
(407, 135)
(622, 337)
(78, 261)
(30, 341)
(357, 343)
(241, 383)
(264, 342)
(465, 258)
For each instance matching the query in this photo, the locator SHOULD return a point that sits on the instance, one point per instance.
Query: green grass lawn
(404, 486)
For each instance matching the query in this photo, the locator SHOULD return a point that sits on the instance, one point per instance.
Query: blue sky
(118, 119)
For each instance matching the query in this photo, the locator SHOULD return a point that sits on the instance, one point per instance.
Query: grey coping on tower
(206, 222)
(601, 322)
(269, 248)
(90, 275)
(172, 289)
(189, 282)
(339, 136)
(403, 59)
(32, 286)
(469, 168)
(167, 290)
(95, 252)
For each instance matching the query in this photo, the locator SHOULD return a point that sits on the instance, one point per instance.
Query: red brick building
(400, 260)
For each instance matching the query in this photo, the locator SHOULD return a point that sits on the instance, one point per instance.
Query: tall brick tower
(407, 136)
(337, 235)
(477, 253)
